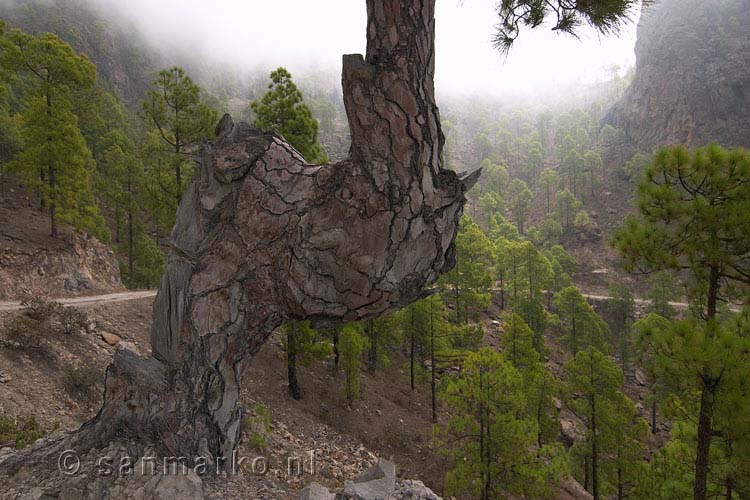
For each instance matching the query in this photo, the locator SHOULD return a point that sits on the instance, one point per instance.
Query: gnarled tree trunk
(262, 237)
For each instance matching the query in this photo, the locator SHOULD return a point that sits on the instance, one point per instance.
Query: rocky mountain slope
(124, 63)
(692, 81)
(125, 59)
(34, 264)
(389, 421)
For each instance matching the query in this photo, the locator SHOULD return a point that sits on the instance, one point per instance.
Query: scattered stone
(568, 432)
(640, 377)
(183, 486)
(110, 338)
(376, 483)
(315, 491)
(413, 490)
(570, 489)
(77, 283)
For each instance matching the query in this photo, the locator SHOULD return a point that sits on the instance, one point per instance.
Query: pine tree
(592, 163)
(9, 139)
(470, 280)
(178, 120)
(301, 345)
(282, 108)
(518, 343)
(626, 437)
(572, 170)
(534, 161)
(520, 202)
(489, 436)
(694, 216)
(55, 159)
(351, 346)
(495, 178)
(621, 309)
(662, 290)
(592, 388)
(582, 326)
(548, 182)
(415, 322)
(648, 334)
(567, 208)
(550, 232)
(534, 272)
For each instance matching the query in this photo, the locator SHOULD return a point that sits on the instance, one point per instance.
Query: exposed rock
(110, 338)
(73, 264)
(376, 483)
(692, 79)
(570, 489)
(412, 490)
(315, 491)
(569, 432)
(77, 282)
(640, 377)
(101, 474)
(185, 487)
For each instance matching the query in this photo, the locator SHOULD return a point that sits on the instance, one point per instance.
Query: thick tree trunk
(586, 474)
(262, 238)
(706, 412)
(705, 433)
(594, 454)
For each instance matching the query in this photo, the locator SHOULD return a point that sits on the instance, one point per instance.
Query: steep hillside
(692, 81)
(34, 263)
(125, 65)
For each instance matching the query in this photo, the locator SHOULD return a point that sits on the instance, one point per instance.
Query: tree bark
(708, 390)
(705, 419)
(262, 238)
(594, 452)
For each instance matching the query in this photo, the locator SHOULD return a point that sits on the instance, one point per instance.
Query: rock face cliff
(692, 81)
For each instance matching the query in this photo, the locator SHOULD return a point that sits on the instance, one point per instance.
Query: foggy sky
(305, 34)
